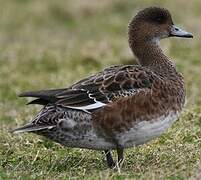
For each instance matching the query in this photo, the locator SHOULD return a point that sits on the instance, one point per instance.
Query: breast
(145, 131)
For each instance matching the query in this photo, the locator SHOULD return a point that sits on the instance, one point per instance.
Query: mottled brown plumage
(121, 106)
(165, 94)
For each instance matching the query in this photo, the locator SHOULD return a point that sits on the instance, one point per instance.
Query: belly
(145, 131)
(83, 135)
(87, 140)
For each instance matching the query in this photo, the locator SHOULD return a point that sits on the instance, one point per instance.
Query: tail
(31, 128)
(43, 97)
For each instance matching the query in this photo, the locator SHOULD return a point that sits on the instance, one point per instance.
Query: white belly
(146, 130)
(86, 137)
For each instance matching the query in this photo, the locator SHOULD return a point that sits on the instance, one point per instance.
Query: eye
(159, 19)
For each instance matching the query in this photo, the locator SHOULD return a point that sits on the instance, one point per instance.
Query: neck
(149, 53)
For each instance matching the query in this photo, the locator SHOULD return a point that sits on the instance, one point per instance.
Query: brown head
(148, 27)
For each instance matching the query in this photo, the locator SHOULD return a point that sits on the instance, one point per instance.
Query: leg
(120, 153)
(110, 161)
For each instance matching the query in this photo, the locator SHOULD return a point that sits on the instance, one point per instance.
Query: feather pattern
(98, 90)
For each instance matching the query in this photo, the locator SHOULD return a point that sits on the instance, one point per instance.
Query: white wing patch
(88, 107)
(95, 105)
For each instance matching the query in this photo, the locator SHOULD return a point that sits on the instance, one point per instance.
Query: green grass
(50, 44)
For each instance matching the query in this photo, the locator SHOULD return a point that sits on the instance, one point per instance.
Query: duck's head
(145, 31)
(153, 24)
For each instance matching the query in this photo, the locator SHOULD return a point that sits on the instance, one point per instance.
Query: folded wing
(98, 90)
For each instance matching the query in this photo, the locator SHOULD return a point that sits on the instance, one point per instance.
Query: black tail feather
(42, 93)
(43, 97)
(39, 101)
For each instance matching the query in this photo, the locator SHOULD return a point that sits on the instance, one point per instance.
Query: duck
(122, 106)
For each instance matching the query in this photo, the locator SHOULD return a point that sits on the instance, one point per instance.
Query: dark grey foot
(120, 153)
(110, 161)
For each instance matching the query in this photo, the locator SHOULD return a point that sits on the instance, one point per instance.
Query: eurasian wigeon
(122, 106)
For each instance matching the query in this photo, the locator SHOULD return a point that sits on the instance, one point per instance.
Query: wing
(97, 90)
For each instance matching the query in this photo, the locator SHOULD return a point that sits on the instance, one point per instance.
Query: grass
(50, 44)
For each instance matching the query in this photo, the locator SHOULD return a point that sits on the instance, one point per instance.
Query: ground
(51, 44)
